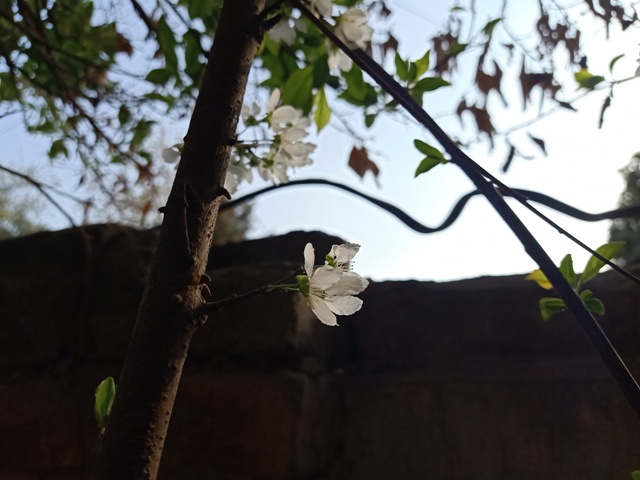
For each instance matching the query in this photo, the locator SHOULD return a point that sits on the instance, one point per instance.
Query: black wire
(542, 199)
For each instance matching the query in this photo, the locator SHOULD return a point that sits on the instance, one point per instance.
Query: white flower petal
(300, 25)
(352, 32)
(299, 149)
(283, 32)
(293, 134)
(321, 310)
(309, 258)
(341, 305)
(344, 253)
(171, 155)
(354, 15)
(284, 116)
(350, 283)
(274, 99)
(324, 7)
(338, 60)
(230, 183)
(324, 277)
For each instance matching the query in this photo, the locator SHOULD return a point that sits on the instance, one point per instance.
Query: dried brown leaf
(360, 162)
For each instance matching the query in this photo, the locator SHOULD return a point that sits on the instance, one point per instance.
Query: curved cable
(542, 199)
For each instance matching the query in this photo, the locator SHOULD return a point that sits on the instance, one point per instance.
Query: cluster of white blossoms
(330, 288)
(351, 27)
(285, 151)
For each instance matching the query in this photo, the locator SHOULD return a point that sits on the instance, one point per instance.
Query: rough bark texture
(134, 438)
(453, 380)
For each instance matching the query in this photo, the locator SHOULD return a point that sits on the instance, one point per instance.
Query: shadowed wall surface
(452, 380)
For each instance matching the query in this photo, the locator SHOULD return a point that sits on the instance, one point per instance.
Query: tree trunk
(132, 443)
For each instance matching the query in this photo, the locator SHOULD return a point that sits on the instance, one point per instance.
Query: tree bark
(132, 443)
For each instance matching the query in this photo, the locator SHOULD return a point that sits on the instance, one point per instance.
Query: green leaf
(585, 295)
(200, 8)
(369, 118)
(595, 305)
(169, 100)
(124, 115)
(540, 278)
(456, 49)
(356, 86)
(586, 80)
(550, 306)
(431, 83)
(427, 164)
(635, 475)
(58, 148)
(159, 76)
(105, 393)
(140, 132)
(566, 268)
(297, 90)
(321, 72)
(402, 68)
(167, 43)
(194, 67)
(488, 28)
(613, 61)
(422, 64)
(428, 150)
(322, 114)
(608, 251)
(412, 74)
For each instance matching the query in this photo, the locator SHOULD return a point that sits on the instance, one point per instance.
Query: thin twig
(41, 189)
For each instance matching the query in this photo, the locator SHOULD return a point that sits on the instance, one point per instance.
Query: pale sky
(581, 169)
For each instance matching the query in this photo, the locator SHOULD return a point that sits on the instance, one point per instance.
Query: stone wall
(453, 380)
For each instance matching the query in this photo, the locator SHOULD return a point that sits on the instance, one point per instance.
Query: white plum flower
(352, 29)
(272, 170)
(172, 154)
(330, 289)
(274, 99)
(286, 117)
(323, 7)
(289, 149)
(236, 174)
(250, 113)
(283, 32)
(338, 60)
(341, 256)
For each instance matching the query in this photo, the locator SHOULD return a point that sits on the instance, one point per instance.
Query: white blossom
(274, 99)
(283, 32)
(286, 117)
(338, 60)
(249, 113)
(171, 154)
(272, 170)
(330, 290)
(352, 29)
(236, 174)
(323, 7)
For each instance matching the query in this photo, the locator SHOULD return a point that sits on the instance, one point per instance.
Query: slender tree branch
(41, 188)
(144, 17)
